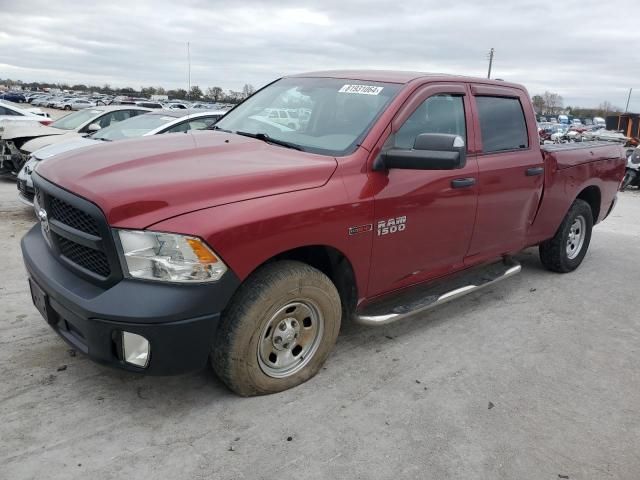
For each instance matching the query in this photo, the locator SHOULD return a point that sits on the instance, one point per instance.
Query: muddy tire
(278, 330)
(565, 251)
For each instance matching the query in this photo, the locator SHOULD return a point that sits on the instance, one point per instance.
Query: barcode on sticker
(361, 89)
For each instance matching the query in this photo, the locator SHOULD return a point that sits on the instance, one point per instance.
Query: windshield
(321, 115)
(132, 127)
(74, 120)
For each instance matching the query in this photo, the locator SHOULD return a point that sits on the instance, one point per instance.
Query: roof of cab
(399, 76)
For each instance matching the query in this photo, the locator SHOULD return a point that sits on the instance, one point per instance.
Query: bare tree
(538, 103)
(247, 90)
(214, 93)
(553, 102)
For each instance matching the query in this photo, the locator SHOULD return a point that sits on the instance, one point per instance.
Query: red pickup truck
(378, 196)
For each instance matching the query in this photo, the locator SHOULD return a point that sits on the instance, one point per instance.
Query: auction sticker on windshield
(361, 89)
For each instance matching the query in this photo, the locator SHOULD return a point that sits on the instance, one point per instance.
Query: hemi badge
(360, 229)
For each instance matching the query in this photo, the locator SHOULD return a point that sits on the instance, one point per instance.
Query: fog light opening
(136, 349)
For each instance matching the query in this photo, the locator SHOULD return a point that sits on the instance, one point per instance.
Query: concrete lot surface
(535, 378)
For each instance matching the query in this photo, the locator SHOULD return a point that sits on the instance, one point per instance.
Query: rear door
(423, 219)
(510, 170)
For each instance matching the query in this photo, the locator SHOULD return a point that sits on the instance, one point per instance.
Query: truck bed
(566, 155)
(588, 170)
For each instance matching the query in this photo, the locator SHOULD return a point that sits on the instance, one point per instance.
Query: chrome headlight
(169, 257)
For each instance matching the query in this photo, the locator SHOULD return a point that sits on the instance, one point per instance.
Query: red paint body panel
(142, 181)
(508, 198)
(251, 200)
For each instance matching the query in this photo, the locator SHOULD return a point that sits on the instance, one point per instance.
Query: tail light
(46, 121)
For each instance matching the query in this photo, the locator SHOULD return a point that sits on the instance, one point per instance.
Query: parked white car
(18, 142)
(152, 123)
(75, 104)
(11, 113)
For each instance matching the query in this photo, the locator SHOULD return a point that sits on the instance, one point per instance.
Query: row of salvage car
(23, 144)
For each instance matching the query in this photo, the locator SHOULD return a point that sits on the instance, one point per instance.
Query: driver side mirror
(431, 151)
(94, 127)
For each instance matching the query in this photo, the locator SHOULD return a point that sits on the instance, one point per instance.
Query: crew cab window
(437, 114)
(502, 124)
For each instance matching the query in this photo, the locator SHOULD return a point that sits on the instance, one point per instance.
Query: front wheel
(278, 330)
(67, 107)
(565, 251)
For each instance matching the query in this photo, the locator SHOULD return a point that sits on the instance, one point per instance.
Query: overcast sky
(586, 50)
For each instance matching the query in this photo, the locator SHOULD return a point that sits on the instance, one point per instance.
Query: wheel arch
(330, 261)
(593, 196)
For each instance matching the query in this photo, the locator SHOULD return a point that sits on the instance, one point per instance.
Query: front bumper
(179, 321)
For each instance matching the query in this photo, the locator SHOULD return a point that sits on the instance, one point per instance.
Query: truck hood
(142, 181)
(36, 144)
(12, 131)
(66, 144)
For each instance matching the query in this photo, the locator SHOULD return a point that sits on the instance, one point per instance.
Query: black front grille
(93, 260)
(69, 215)
(78, 232)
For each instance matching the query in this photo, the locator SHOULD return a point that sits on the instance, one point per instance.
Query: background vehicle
(600, 122)
(75, 104)
(148, 104)
(249, 245)
(41, 101)
(632, 173)
(18, 142)
(152, 123)
(176, 106)
(13, 97)
(11, 113)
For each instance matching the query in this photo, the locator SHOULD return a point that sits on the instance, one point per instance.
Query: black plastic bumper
(179, 321)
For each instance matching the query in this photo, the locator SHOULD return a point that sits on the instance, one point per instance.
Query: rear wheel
(278, 330)
(67, 107)
(566, 250)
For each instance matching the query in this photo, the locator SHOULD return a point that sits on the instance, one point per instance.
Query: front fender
(246, 234)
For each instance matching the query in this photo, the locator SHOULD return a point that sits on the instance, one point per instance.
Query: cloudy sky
(586, 50)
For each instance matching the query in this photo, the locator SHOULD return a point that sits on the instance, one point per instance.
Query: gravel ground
(535, 378)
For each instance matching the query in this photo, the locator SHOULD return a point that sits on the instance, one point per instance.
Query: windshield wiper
(266, 138)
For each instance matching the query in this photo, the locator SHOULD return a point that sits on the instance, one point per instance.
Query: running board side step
(422, 298)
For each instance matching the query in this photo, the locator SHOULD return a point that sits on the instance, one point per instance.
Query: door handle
(463, 182)
(533, 171)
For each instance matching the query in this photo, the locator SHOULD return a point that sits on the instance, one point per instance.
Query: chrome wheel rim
(575, 240)
(290, 338)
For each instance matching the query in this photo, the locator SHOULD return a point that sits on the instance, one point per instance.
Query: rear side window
(502, 124)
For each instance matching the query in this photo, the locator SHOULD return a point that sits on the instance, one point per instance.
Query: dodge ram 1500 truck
(250, 243)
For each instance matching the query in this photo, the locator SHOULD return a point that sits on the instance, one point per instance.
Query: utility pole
(188, 71)
(491, 52)
(626, 109)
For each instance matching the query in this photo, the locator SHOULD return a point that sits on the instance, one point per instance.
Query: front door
(423, 218)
